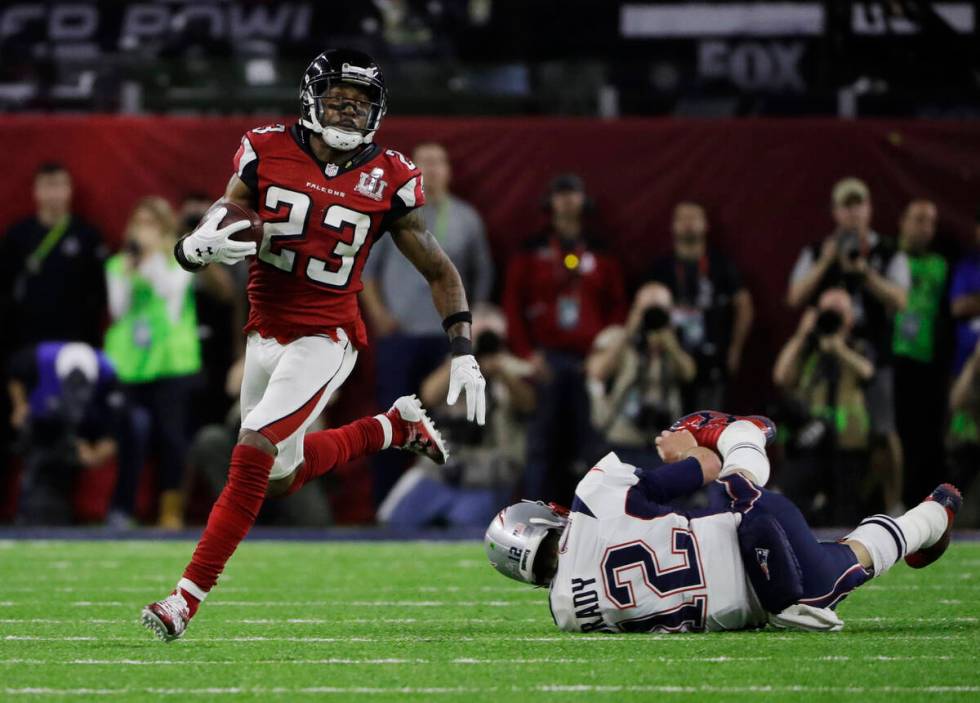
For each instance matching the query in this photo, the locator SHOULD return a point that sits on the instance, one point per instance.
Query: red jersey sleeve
(408, 193)
(246, 159)
(246, 164)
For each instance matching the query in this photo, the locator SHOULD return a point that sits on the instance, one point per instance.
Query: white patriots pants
(285, 387)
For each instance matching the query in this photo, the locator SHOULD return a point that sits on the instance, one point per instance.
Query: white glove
(208, 244)
(464, 374)
(805, 617)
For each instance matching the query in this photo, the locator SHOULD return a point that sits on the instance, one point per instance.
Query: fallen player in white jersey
(623, 560)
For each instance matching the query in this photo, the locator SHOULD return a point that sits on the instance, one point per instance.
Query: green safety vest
(915, 327)
(963, 428)
(145, 344)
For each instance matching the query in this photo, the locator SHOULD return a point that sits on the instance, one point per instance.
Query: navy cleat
(707, 426)
(948, 496)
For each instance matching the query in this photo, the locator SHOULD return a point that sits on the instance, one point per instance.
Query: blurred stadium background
(646, 200)
(754, 110)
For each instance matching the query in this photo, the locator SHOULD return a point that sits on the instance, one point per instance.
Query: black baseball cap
(565, 182)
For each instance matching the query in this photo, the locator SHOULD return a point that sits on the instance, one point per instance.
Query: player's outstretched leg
(921, 535)
(284, 389)
(232, 516)
(405, 425)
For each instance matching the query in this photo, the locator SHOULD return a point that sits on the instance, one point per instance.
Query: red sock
(232, 516)
(326, 449)
(192, 602)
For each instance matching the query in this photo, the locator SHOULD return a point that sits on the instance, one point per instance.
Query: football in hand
(237, 213)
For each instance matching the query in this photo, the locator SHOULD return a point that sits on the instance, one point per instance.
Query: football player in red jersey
(324, 192)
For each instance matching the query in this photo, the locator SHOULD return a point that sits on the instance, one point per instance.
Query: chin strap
(339, 139)
(560, 509)
(546, 522)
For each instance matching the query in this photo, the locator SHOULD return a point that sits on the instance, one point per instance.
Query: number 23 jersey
(656, 571)
(320, 221)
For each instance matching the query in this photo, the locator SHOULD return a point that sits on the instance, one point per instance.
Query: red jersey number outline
(293, 227)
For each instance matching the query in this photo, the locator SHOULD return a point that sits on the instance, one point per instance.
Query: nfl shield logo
(370, 184)
(331, 170)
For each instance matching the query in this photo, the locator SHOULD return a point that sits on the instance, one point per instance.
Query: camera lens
(655, 318)
(487, 342)
(829, 322)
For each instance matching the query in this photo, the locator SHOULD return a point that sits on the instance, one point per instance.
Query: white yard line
(6, 588)
(934, 586)
(326, 603)
(549, 688)
(463, 661)
(149, 588)
(568, 638)
(587, 688)
(965, 619)
(402, 621)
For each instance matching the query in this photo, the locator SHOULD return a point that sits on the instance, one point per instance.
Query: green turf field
(433, 622)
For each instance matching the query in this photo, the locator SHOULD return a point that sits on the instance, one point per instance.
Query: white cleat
(421, 436)
(167, 618)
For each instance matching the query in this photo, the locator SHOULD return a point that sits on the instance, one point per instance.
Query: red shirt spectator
(559, 295)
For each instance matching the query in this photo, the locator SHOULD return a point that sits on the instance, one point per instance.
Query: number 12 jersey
(629, 565)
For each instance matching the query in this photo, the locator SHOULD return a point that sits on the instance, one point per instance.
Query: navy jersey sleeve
(665, 483)
(613, 488)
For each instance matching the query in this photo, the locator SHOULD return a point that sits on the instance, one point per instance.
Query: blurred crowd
(124, 363)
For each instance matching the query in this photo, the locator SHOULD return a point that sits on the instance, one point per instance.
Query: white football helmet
(514, 538)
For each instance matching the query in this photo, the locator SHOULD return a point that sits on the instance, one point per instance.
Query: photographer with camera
(712, 307)
(154, 347)
(486, 461)
(823, 372)
(635, 376)
(64, 410)
(877, 276)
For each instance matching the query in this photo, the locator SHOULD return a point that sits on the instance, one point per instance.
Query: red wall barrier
(765, 183)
